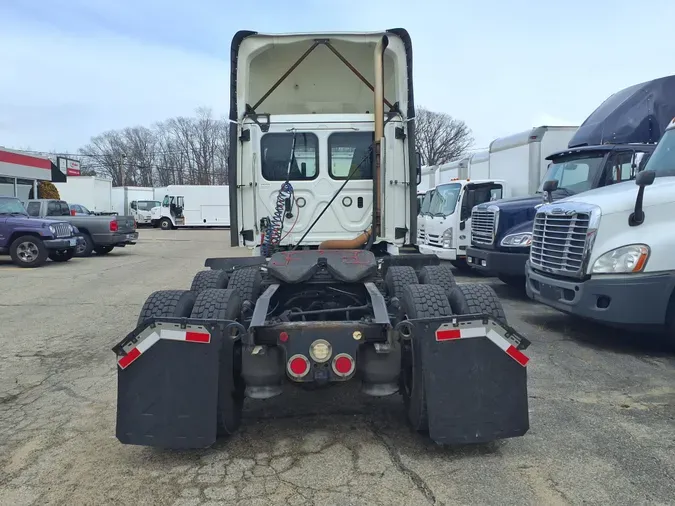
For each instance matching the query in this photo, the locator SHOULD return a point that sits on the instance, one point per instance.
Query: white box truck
(193, 206)
(137, 201)
(92, 192)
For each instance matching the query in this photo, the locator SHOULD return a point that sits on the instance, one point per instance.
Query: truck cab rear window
(346, 150)
(58, 208)
(276, 154)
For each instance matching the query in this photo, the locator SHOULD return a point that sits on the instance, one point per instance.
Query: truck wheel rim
(80, 248)
(27, 252)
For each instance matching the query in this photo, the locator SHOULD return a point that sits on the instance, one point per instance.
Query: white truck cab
(141, 210)
(607, 254)
(446, 231)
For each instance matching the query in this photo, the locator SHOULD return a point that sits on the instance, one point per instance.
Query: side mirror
(549, 187)
(133, 205)
(644, 178)
(419, 166)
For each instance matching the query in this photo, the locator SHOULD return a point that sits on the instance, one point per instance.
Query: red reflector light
(113, 226)
(343, 364)
(72, 212)
(298, 366)
(283, 337)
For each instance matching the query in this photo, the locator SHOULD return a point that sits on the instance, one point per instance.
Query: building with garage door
(20, 173)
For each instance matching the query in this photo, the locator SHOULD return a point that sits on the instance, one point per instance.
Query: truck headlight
(52, 229)
(446, 239)
(522, 239)
(623, 260)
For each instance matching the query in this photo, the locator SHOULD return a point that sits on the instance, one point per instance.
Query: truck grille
(421, 236)
(62, 230)
(482, 226)
(434, 240)
(559, 242)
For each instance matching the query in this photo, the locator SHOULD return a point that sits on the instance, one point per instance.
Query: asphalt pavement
(602, 410)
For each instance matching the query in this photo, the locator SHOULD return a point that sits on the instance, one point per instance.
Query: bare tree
(440, 138)
(182, 150)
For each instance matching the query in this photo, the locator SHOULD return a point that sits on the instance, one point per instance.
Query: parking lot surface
(602, 410)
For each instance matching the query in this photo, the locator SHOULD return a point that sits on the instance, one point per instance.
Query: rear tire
(397, 278)
(440, 275)
(248, 282)
(62, 255)
(418, 301)
(476, 298)
(167, 304)
(212, 278)
(86, 249)
(28, 251)
(103, 250)
(225, 304)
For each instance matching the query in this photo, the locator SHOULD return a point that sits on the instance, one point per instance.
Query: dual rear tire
(432, 294)
(214, 295)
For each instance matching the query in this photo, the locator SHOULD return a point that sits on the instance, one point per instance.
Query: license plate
(73, 241)
(549, 292)
(131, 237)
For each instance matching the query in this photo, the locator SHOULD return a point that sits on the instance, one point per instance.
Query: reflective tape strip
(183, 335)
(154, 337)
(510, 350)
(449, 334)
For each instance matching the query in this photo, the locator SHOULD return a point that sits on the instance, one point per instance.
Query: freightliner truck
(607, 255)
(611, 146)
(323, 176)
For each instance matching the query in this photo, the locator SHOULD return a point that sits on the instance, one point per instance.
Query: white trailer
(428, 178)
(521, 158)
(479, 166)
(92, 192)
(193, 206)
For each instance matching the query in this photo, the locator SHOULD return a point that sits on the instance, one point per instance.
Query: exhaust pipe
(377, 175)
(379, 129)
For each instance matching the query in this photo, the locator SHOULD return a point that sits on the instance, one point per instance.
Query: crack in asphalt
(395, 457)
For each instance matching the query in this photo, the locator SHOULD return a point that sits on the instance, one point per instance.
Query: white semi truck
(323, 174)
(607, 254)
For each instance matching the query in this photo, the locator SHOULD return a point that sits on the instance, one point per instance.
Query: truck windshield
(147, 205)
(426, 203)
(445, 199)
(662, 160)
(575, 173)
(12, 206)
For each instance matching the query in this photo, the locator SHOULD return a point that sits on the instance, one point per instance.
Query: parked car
(31, 241)
(100, 234)
(79, 210)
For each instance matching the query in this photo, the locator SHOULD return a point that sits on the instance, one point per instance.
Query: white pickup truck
(607, 254)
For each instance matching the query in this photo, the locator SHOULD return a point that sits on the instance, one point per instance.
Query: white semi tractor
(607, 254)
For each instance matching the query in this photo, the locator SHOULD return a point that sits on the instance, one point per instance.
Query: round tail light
(298, 366)
(343, 365)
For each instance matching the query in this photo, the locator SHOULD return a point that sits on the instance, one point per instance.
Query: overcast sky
(70, 69)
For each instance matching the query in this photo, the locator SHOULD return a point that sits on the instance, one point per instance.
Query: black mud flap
(475, 379)
(167, 382)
